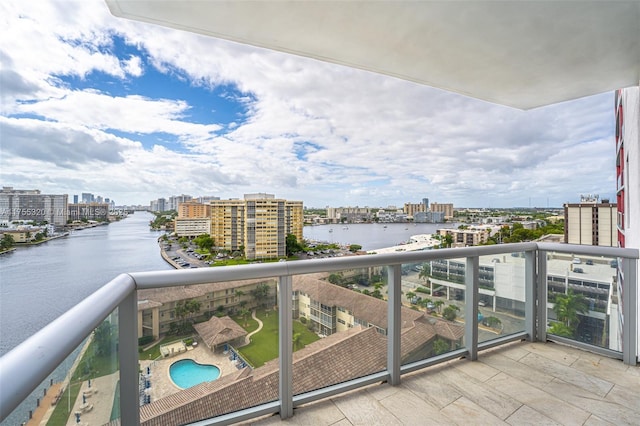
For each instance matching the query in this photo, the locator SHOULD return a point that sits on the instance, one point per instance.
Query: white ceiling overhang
(523, 54)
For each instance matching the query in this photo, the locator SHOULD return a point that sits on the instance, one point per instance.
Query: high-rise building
(590, 222)
(75, 199)
(627, 112)
(88, 197)
(258, 224)
(447, 209)
(174, 200)
(32, 205)
(410, 209)
(193, 209)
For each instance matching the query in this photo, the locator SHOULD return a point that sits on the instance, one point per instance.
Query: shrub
(188, 341)
(303, 320)
(144, 340)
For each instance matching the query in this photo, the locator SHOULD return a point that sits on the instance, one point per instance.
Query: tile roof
(363, 307)
(219, 330)
(172, 294)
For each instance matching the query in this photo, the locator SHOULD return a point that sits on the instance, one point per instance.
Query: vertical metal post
(471, 307)
(530, 306)
(128, 356)
(285, 337)
(541, 297)
(630, 311)
(394, 323)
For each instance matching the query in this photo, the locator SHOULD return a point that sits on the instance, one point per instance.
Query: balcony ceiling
(523, 54)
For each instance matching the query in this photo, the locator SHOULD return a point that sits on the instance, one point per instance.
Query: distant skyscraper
(75, 199)
(87, 197)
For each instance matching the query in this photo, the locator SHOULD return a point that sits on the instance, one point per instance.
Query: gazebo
(220, 331)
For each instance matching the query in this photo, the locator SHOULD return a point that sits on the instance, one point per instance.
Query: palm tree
(244, 313)
(438, 304)
(568, 306)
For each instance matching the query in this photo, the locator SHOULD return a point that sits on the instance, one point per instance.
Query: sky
(134, 112)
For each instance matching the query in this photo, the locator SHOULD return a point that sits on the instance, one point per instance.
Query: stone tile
(611, 370)
(534, 377)
(433, 388)
(627, 397)
(410, 409)
(360, 408)
(597, 421)
(489, 398)
(567, 374)
(477, 370)
(552, 351)
(588, 401)
(526, 415)
(382, 390)
(539, 400)
(465, 412)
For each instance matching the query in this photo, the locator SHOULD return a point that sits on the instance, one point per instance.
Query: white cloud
(322, 133)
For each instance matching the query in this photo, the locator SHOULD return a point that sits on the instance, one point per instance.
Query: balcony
(387, 362)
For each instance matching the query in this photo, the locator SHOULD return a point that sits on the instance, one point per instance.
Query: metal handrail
(46, 349)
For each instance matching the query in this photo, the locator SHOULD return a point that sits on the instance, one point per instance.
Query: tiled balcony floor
(518, 384)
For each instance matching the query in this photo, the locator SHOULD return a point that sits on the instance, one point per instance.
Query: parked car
(576, 261)
(589, 262)
(578, 270)
(482, 303)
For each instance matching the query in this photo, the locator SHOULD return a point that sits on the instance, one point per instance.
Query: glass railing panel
(82, 389)
(339, 327)
(433, 308)
(213, 345)
(583, 299)
(501, 295)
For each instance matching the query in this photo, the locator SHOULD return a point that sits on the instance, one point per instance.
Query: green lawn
(264, 345)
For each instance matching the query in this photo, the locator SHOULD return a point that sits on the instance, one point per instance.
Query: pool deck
(161, 383)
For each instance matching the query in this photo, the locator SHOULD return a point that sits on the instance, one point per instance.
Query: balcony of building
(520, 357)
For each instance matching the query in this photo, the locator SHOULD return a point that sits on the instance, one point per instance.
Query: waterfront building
(159, 205)
(89, 211)
(32, 205)
(447, 209)
(410, 209)
(466, 237)
(257, 224)
(192, 226)
(591, 222)
(349, 214)
(429, 217)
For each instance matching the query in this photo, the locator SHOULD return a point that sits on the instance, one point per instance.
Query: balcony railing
(25, 367)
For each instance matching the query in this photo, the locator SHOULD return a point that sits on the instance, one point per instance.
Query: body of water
(39, 283)
(371, 236)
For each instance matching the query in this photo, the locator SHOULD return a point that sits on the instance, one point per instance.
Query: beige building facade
(591, 223)
(447, 209)
(192, 227)
(258, 224)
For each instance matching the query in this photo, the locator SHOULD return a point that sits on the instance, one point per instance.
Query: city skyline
(141, 112)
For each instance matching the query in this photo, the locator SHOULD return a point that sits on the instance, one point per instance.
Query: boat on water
(331, 230)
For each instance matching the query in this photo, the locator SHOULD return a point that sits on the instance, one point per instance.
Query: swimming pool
(187, 373)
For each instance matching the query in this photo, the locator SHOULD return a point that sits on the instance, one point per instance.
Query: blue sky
(130, 111)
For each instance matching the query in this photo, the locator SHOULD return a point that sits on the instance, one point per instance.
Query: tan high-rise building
(591, 222)
(258, 224)
(447, 209)
(193, 210)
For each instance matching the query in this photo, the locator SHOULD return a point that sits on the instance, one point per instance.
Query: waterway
(371, 236)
